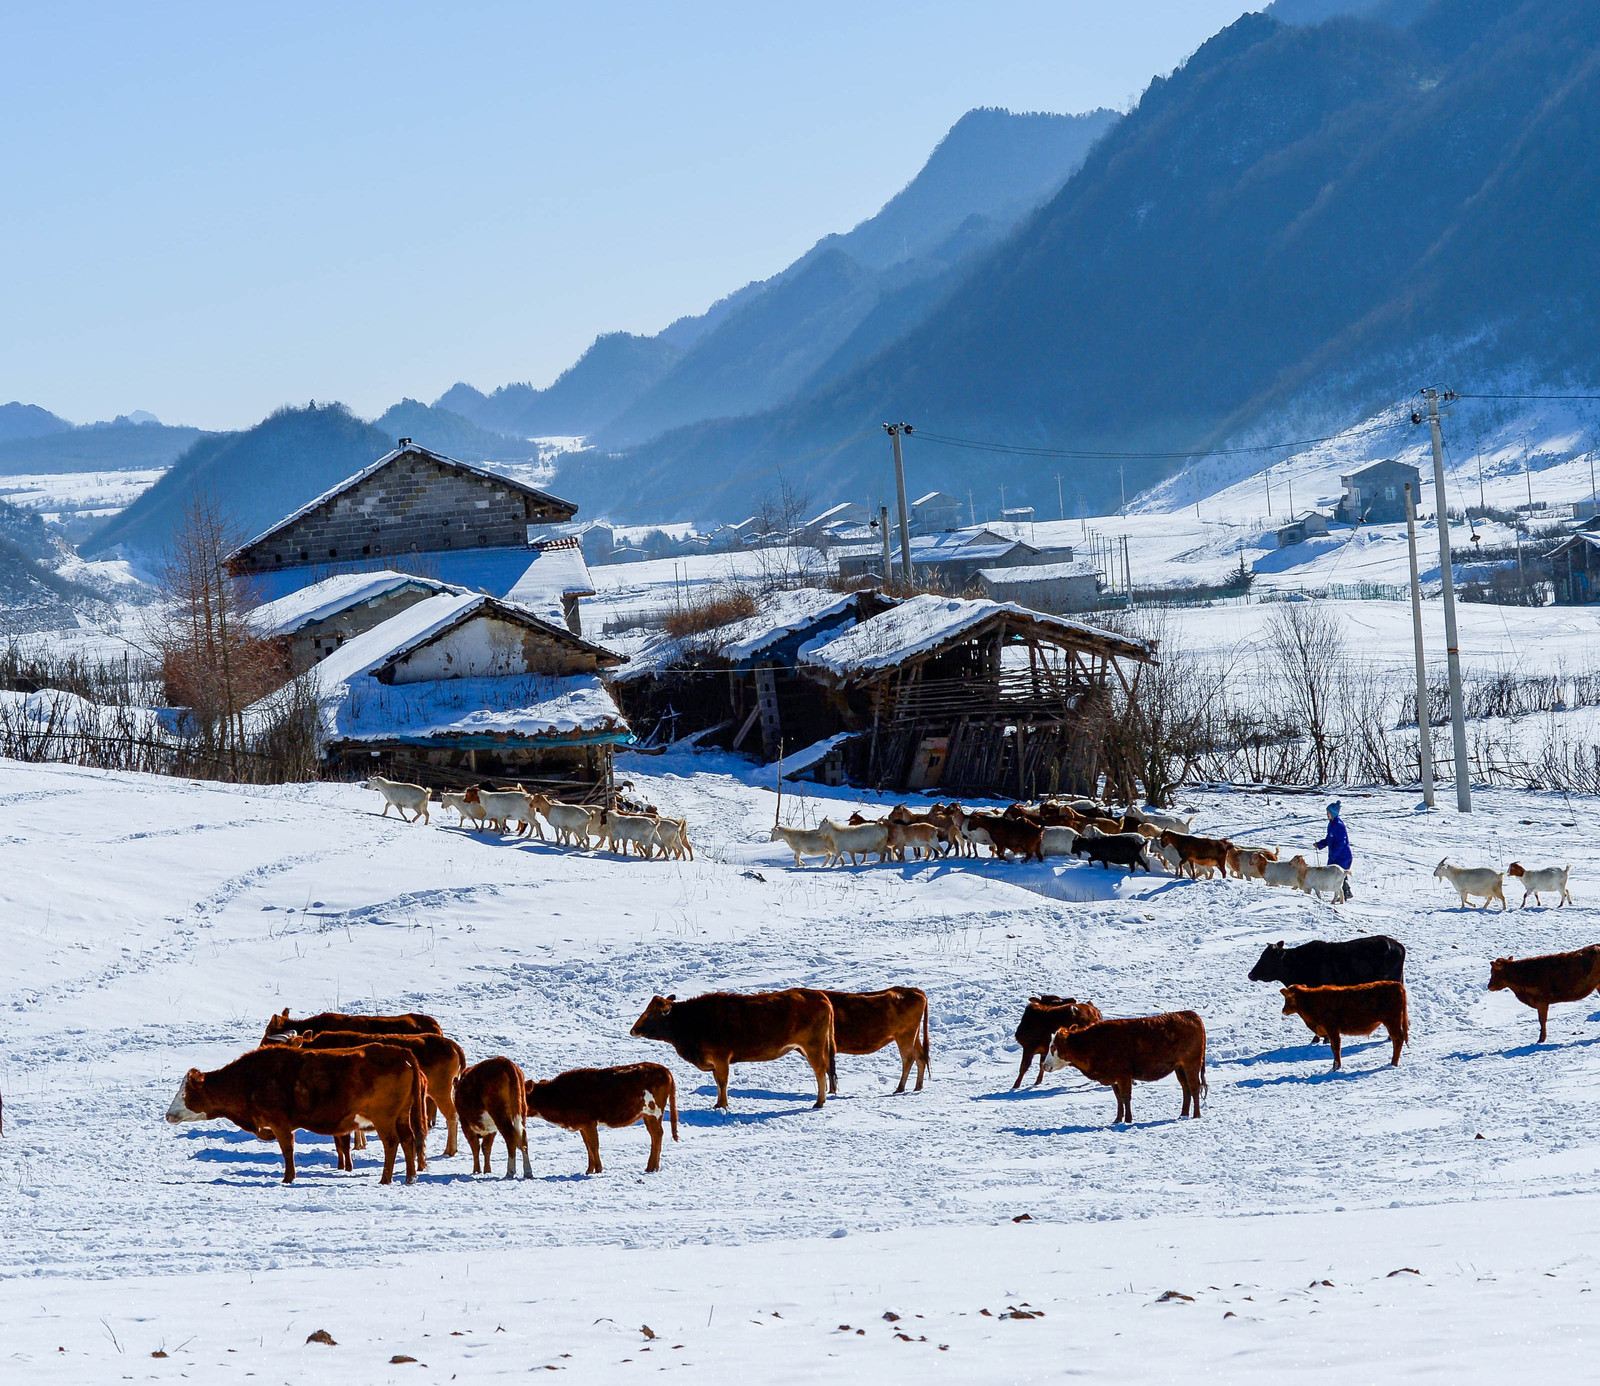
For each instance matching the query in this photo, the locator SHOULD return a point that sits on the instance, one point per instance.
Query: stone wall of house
(411, 505)
(316, 642)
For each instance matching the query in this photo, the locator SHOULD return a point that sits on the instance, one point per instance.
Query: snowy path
(151, 925)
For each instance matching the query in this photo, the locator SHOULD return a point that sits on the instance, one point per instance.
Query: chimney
(405, 442)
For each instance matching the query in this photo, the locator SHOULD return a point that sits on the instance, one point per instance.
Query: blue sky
(211, 210)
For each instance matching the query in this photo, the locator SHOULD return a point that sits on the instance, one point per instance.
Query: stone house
(1055, 588)
(1375, 494)
(312, 623)
(935, 512)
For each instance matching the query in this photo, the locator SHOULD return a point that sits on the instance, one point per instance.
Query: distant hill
(256, 476)
(447, 432)
(19, 420)
(1296, 226)
(32, 597)
(614, 371)
(118, 446)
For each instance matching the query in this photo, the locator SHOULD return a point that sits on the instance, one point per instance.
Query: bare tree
(1306, 648)
(212, 660)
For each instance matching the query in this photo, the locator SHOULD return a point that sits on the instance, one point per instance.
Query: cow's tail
(419, 1109)
(672, 1102)
(1405, 1016)
(927, 1048)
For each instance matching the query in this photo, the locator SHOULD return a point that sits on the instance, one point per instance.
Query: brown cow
(276, 1090)
(442, 1060)
(1210, 853)
(1331, 1012)
(1008, 836)
(1043, 1017)
(491, 1096)
(584, 1099)
(865, 1021)
(412, 1023)
(1547, 980)
(723, 1028)
(1117, 1053)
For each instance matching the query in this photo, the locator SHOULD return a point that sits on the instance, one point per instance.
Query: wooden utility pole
(1424, 724)
(1061, 500)
(883, 533)
(1452, 649)
(894, 430)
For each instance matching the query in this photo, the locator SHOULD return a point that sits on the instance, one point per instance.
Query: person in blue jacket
(1337, 841)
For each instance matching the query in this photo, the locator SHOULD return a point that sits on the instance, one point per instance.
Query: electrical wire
(1102, 455)
(1463, 394)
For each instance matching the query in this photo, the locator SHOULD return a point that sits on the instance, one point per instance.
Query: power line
(1465, 394)
(1093, 454)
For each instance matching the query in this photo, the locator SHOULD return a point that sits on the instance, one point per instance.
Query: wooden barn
(462, 687)
(973, 697)
(1575, 569)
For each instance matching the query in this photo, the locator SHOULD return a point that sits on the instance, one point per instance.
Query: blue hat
(1333, 809)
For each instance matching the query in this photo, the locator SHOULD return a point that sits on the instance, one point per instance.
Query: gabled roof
(1042, 572)
(558, 571)
(322, 600)
(924, 624)
(943, 497)
(1380, 465)
(471, 469)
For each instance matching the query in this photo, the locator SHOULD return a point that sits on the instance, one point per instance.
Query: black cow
(1376, 958)
(1114, 849)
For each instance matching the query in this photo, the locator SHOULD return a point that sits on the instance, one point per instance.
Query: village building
(1575, 567)
(1375, 494)
(413, 510)
(974, 697)
(950, 559)
(935, 512)
(845, 515)
(1298, 530)
(461, 687)
(555, 582)
(310, 624)
(1048, 587)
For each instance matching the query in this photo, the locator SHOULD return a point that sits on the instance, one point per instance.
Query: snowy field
(153, 924)
(55, 495)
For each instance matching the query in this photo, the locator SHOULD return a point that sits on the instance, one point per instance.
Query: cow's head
(1063, 1050)
(1499, 979)
(1269, 966)
(1291, 1000)
(656, 1022)
(190, 1096)
(276, 1025)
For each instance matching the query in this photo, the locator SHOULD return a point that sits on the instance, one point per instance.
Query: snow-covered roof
(942, 497)
(781, 615)
(556, 572)
(494, 570)
(468, 468)
(390, 639)
(327, 598)
(1042, 572)
(925, 623)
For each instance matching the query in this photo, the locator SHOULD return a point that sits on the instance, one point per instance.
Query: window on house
(304, 555)
(333, 553)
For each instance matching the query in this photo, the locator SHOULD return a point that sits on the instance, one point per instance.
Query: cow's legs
(286, 1145)
(341, 1143)
(1022, 1070)
(652, 1124)
(1335, 1043)
(514, 1142)
(522, 1142)
(719, 1071)
(488, 1145)
(1544, 1020)
(1039, 1077)
(591, 1142)
(447, 1105)
(1124, 1091)
(908, 1056)
(819, 1066)
(475, 1145)
(1395, 1040)
(359, 1138)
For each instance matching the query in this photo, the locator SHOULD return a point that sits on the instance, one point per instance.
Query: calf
(273, 1091)
(1548, 980)
(1113, 849)
(491, 1096)
(723, 1028)
(399, 796)
(803, 842)
(1331, 1012)
(866, 1021)
(442, 1060)
(1347, 962)
(1041, 1019)
(1535, 882)
(584, 1099)
(411, 1023)
(1118, 1053)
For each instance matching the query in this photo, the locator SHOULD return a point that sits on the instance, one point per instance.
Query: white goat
(574, 823)
(921, 839)
(1170, 821)
(856, 839)
(621, 829)
(467, 808)
(502, 805)
(1470, 882)
(672, 837)
(1316, 879)
(804, 842)
(1283, 873)
(400, 796)
(1058, 841)
(1540, 879)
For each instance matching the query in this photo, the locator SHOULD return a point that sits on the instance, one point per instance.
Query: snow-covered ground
(151, 925)
(56, 495)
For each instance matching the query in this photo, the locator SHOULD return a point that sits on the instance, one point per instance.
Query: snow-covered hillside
(153, 924)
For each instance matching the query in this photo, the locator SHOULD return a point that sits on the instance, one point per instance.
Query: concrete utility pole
(1452, 649)
(1123, 483)
(1062, 502)
(894, 430)
(1268, 475)
(883, 533)
(1424, 725)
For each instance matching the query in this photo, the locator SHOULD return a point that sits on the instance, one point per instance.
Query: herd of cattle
(344, 1075)
(614, 826)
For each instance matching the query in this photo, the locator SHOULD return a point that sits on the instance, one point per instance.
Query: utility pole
(1424, 723)
(1127, 576)
(1061, 500)
(894, 430)
(883, 533)
(1291, 494)
(1123, 483)
(1452, 649)
(1482, 507)
(1268, 475)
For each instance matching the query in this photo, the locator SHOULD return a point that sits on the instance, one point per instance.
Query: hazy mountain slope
(1301, 216)
(115, 446)
(255, 477)
(18, 420)
(449, 433)
(613, 372)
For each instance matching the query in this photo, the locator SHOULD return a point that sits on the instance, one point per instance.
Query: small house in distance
(935, 512)
(1048, 587)
(1313, 522)
(977, 697)
(312, 623)
(460, 687)
(1375, 494)
(1575, 568)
